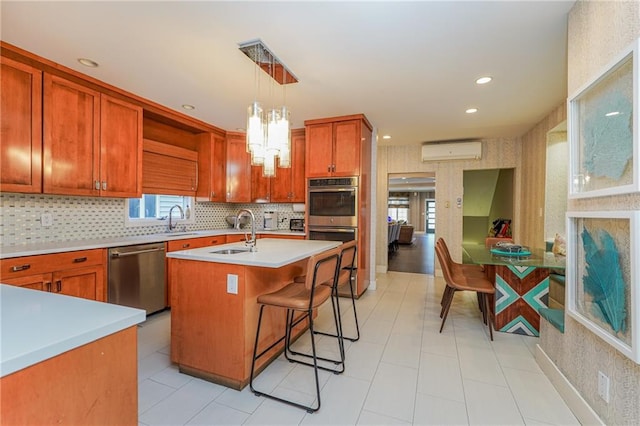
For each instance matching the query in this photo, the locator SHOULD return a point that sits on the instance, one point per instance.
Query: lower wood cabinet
(188, 244)
(93, 384)
(193, 243)
(77, 273)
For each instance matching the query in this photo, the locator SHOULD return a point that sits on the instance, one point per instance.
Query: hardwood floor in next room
(417, 257)
(400, 372)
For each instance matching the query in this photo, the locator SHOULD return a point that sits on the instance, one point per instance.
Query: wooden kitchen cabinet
(76, 273)
(92, 142)
(193, 243)
(238, 169)
(212, 166)
(288, 185)
(333, 146)
(168, 169)
(20, 127)
(188, 244)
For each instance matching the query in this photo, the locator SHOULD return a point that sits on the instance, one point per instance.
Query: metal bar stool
(348, 253)
(295, 297)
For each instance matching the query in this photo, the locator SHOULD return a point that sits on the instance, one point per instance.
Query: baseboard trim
(576, 403)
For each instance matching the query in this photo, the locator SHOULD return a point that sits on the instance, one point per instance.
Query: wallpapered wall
(496, 154)
(598, 31)
(81, 218)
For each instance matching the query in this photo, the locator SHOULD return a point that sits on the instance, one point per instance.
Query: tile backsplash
(82, 218)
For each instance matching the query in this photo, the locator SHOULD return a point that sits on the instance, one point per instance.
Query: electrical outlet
(46, 219)
(232, 284)
(603, 386)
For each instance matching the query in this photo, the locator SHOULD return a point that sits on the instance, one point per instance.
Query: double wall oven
(333, 209)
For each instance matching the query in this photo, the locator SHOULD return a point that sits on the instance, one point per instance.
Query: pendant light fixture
(268, 134)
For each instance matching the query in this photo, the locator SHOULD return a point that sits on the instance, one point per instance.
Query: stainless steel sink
(230, 251)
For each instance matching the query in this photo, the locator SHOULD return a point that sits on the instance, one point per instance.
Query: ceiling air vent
(452, 151)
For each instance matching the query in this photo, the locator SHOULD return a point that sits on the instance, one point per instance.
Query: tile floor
(402, 371)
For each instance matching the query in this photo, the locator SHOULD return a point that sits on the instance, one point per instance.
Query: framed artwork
(603, 276)
(603, 130)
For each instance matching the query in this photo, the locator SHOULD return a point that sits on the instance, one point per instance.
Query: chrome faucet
(249, 242)
(172, 225)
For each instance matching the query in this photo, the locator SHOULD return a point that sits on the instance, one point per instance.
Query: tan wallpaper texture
(598, 30)
(496, 154)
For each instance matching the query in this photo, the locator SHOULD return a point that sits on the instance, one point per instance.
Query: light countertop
(37, 325)
(272, 252)
(7, 252)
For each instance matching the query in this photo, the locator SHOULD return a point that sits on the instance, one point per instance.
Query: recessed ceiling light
(471, 110)
(88, 63)
(386, 137)
(484, 80)
(188, 107)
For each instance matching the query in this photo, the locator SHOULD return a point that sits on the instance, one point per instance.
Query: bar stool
(294, 297)
(348, 252)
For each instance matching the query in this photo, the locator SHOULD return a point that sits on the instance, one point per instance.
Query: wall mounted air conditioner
(452, 151)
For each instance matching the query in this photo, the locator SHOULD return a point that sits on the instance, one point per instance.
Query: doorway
(488, 195)
(411, 203)
(430, 217)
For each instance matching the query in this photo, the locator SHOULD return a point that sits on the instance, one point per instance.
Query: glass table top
(481, 255)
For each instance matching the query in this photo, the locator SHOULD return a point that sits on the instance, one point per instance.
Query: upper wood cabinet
(334, 146)
(168, 169)
(92, 142)
(20, 127)
(212, 161)
(238, 169)
(120, 148)
(289, 184)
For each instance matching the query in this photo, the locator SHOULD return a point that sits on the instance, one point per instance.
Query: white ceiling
(409, 67)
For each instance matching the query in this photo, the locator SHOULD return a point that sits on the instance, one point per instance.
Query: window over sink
(153, 209)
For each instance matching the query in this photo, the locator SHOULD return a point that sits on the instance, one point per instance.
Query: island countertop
(271, 252)
(37, 325)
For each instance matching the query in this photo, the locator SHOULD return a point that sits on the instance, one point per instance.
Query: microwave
(333, 202)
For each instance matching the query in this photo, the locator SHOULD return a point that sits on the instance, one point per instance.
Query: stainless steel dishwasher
(137, 277)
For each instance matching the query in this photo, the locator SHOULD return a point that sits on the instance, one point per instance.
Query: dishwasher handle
(133, 253)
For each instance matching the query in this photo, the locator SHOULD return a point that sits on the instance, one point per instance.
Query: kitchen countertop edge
(272, 252)
(37, 325)
(8, 252)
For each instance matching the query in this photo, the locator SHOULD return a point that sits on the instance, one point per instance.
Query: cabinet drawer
(192, 243)
(31, 265)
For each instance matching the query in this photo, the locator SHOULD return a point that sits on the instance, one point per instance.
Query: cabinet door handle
(58, 286)
(48, 286)
(79, 259)
(20, 267)
(186, 245)
(104, 185)
(97, 184)
(329, 168)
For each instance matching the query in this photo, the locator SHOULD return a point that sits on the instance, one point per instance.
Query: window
(398, 206)
(153, 209)
(399, 213)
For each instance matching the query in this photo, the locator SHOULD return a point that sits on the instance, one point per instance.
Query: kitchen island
(214, 313)
(67, 360)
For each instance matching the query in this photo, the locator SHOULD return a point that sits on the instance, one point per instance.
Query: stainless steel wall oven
(333, 202)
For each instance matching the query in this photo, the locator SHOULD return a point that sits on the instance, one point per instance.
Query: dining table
(521, 280)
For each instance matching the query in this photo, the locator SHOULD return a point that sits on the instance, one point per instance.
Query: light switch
(232, 284)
